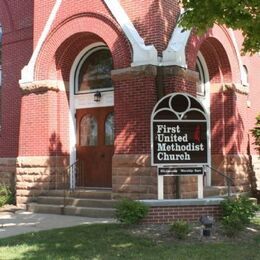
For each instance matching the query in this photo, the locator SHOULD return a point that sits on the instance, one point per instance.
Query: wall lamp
(97, 96)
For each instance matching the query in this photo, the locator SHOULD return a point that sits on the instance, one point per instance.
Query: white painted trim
(240, 63)
(174, 54)
(142, 54)
(83, 100)
(206, 103)
(200, 186)
(160, 187)
(28, 70)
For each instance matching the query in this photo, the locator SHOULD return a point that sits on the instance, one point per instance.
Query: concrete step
(90, 212)
(44, 208)
(77, 202)
(71, 210)
(91, 194)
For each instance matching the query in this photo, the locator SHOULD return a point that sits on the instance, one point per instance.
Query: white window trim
(205, 100)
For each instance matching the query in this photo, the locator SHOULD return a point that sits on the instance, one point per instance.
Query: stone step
(77, 202)
(91, 194)
(71, 210)
(90, 212)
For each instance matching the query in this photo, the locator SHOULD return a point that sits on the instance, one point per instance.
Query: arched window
(88, 131)
(244, 76)
(202, 78)
(94, 71)
(109, 129)
(1, 55)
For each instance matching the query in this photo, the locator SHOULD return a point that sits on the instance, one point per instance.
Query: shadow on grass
(112, 241)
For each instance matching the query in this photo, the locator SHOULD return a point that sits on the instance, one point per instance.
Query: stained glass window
(88, 131)
(109, 129)
(95, 72)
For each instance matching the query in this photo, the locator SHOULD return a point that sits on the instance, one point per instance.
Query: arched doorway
(91, 100)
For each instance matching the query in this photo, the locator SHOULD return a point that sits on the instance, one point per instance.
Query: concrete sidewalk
(21, 221)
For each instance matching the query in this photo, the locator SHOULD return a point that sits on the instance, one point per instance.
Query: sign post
(179, 145)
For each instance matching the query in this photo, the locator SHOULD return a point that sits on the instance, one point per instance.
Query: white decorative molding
(243, 77)
(87, 100)
(174, 54)
(142, 54)
(238, 88)
(28, 70)
(44, 85)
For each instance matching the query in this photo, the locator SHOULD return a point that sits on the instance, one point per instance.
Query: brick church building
(79, 81)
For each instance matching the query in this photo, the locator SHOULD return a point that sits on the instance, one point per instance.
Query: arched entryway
(92, 102)
(218, 99)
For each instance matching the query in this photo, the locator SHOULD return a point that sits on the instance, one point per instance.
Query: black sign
(179, 142)
(181, 171)
(179, 131)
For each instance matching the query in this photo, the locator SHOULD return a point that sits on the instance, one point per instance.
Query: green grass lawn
(112, 241)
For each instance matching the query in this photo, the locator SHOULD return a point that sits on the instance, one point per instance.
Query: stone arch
(71, 36)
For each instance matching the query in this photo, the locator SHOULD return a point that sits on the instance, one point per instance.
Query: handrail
(228, 178)
(69, 180)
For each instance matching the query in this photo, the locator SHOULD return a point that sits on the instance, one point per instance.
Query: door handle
(102, 155)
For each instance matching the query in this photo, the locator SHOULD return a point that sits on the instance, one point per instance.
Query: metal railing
(229, 180)
(68, 179)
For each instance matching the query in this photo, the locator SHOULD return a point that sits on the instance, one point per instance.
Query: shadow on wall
(44, 174)
(58, 162)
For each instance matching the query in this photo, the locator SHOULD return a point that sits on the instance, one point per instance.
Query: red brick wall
(153, 19)
(134, 101)
(169, 214)
(44, 129)
(16, 18)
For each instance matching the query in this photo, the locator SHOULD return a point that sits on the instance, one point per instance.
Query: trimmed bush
(131, 211)
(6, 195)
(236, 214)
(180, 229)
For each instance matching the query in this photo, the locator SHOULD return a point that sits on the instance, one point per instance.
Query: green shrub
(242, 208)
(6, 195)
(256, 133)
(131, 211)
(231, 225)
(236, 214)
(180, 229)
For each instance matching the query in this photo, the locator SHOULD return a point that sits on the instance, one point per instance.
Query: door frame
(81, 101)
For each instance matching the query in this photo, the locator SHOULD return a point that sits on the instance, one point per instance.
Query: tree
(241, 15)
(256, 133)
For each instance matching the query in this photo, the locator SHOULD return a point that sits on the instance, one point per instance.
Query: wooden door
(95, 146)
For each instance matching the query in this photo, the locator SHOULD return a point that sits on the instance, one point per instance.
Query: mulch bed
(161, 234)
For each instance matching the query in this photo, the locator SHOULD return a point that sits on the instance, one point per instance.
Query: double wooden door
(95, 146)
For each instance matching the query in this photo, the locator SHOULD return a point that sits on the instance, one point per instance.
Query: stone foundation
(238, 167)
(38, 174)
(7, 172)
(133, 177)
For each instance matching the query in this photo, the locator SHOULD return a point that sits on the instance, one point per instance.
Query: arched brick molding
(218, 40)
(87, 27)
